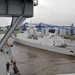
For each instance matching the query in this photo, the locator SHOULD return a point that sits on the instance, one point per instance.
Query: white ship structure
(50, 41)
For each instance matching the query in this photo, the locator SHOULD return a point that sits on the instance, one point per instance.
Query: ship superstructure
(48, 41)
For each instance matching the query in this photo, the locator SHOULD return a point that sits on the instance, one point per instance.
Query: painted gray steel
(10, 8)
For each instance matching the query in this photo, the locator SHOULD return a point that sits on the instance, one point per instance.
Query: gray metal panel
(16, 8)
(2, 7)
(28, 8)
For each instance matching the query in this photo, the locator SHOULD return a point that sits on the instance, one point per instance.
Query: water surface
(33, 61)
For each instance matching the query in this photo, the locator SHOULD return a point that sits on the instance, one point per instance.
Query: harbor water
(34, 61)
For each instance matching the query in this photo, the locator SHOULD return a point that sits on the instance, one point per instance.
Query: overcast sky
(56, 12)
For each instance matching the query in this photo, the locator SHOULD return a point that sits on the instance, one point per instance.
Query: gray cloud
(60, 12)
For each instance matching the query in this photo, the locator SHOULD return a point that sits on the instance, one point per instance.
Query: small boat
(48, 41)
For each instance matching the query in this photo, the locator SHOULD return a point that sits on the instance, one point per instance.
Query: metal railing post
(18, 21)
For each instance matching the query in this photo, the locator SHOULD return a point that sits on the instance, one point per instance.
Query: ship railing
(11, 67)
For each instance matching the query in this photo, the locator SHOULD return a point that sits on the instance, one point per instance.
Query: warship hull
(62, 50)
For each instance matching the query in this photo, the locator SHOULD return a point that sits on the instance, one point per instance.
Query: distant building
(3, 28)
(74, 30)
(61, 30)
